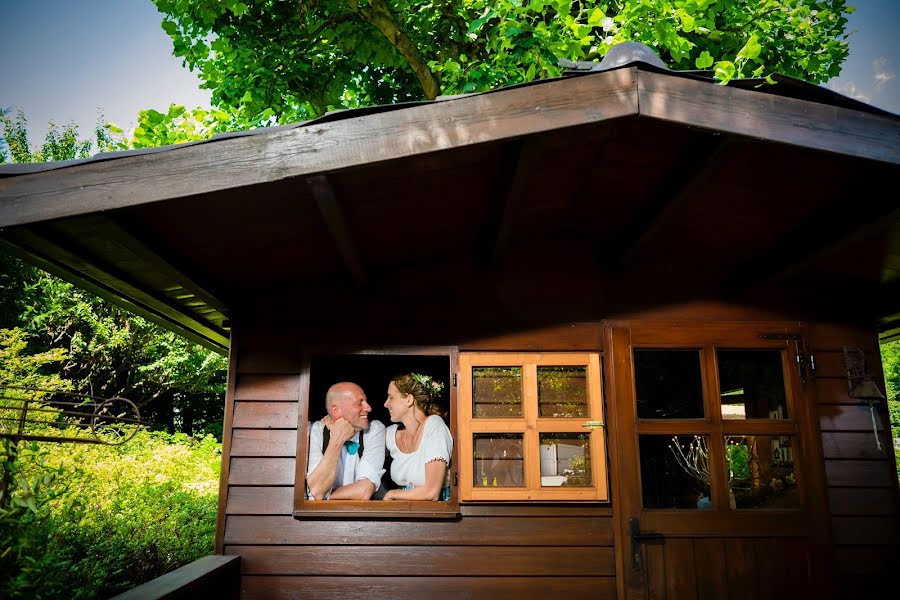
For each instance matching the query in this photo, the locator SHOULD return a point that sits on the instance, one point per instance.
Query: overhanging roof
(639, 177)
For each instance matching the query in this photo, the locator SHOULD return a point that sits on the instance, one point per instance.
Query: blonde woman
(421, 448)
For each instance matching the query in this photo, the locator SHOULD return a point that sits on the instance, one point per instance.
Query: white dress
(408, 470)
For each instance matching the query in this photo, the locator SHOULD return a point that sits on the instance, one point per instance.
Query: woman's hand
(390, 495)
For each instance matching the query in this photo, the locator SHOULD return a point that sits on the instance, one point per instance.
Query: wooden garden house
(655, 301)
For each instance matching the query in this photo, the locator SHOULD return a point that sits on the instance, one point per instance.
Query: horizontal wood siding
(258, 587)
(861, 478)
(489, 552)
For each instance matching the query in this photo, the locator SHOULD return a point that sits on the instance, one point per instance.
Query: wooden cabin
(656, 304)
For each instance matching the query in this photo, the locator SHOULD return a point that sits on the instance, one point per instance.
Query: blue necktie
(352, 447)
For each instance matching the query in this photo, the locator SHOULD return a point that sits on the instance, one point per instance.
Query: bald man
(339, 472)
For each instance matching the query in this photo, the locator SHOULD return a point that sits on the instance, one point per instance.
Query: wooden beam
(208, 577)
(323, 192)
(696, 167)
(317, 148)
(769, 117)
(159, 260)
(519, 162)
(67, 265)
(838, 224)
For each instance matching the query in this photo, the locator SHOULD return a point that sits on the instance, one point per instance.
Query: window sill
(376, 509)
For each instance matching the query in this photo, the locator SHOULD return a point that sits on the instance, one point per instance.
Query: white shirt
(436, 444)
(350, 467)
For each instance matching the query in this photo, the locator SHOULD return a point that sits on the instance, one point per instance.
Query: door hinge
(454, 380)
(806, 362)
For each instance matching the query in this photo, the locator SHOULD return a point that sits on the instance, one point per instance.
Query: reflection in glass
(675, 471)
(565, 459)
(752, 384)
(761, 471)
(497, 392)
(562, 391)
(668, 384)
(498, 460)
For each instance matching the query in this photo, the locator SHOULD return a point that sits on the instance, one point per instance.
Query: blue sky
(67, 61)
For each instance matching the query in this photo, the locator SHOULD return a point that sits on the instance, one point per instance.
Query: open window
(531, 427)
(373, 370)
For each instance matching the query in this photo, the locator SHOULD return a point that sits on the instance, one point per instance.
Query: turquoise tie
(352, 447)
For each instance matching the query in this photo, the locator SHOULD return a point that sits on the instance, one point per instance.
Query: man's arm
(320, 476)
(369, 469)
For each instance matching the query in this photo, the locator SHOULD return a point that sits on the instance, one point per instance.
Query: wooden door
(718, 485)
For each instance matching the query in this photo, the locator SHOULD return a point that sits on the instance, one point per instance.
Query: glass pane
(562, 391)
(675, 471)
(565, 459)
(497, 392)
(668, 384)
(498, 460)
(752, 384)
(761, 471)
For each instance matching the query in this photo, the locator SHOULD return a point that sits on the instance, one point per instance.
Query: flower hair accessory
(431, 385)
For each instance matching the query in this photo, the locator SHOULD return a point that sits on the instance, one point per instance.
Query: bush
(103, 519)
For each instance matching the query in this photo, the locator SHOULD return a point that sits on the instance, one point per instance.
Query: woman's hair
(425, 397)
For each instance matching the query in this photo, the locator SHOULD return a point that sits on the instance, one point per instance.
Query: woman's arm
(435, 475)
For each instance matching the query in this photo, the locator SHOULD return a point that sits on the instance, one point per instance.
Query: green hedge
(89, 521)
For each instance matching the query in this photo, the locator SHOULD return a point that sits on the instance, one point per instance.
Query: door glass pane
(565, 459)
(497, 392)
(498, 460)
(761, 471)
(751, 383)
(675, 471)
(668, 384)
(562, 391)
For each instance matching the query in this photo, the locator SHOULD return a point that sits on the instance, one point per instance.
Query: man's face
(355, 408)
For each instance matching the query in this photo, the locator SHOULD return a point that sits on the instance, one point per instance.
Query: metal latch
(592, 424)
(638, 538)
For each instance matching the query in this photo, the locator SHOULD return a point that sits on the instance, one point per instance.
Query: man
(339, 473)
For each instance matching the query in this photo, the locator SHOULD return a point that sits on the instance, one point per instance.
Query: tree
(267, 60)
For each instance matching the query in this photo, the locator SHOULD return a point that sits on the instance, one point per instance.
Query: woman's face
(397, 403)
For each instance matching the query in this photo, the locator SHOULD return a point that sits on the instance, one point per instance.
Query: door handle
(638, 538)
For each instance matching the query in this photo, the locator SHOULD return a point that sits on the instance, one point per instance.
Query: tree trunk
(379, 15)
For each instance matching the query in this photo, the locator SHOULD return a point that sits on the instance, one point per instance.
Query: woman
(421, 449)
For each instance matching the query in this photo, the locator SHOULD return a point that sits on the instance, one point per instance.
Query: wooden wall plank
(432, 561)
(573, 337)
(470, 531)
(868, 560)
(654, 557)
(275, 415)
(710, 568)
(740, 556)
(830, 363)
(858, 473)
(680, 580)
(829, 337)
(835, 391)
(857, 445)
(264, 442)
(862, 501)
(261, 471)
(843, 417)
(260, 501)
(267, 387)
(534, 510)
(259, 587)
(783, 568)
(849, 531)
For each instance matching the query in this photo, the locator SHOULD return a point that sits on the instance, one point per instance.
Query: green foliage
(270, 60)
(91, 521)
(890, 364)
(109, 352)
(60, 143)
